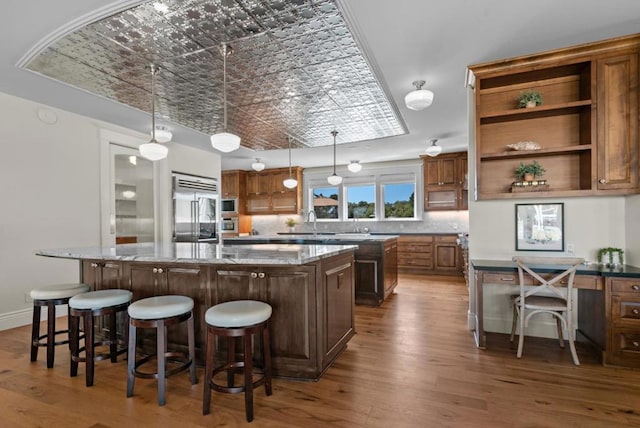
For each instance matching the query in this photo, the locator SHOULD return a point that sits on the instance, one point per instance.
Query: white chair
(546, 295)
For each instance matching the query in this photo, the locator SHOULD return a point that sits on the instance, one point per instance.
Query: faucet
(315, 217)
(356, 229)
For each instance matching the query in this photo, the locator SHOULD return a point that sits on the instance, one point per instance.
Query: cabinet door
(102, 275)
(259, 204)
(258, 183)
(230, 184)
(440, 198)
(440, 171)
(617, 83)
(446, 257)
(284, 203)
(338, 318)
(146, 280)
(235, 283)
(463, 183)
(390, 267)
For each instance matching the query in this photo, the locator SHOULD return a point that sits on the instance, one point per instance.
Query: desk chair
(550, 296)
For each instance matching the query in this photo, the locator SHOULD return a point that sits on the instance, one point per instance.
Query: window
(361, 201)
(399, 200)
(326, 202)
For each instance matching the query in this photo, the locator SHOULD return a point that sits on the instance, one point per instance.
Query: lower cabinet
(623, 321)
(100, 274)
(337, 313)
(429, 254)
(376, 270)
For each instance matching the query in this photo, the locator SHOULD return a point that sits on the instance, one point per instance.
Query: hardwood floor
(412, 363)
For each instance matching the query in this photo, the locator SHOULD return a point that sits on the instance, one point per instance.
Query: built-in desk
(608, 305)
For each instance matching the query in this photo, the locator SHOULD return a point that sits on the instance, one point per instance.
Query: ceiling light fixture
(434, 149)
(225, 141)
(153, 150)
(257, 165)
(334, 179)
(419, 99)
(290, 182)
(354, 166)
(163, 135)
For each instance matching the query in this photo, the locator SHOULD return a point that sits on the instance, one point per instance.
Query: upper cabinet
(444, 182)
(586, 130)
(266, 193)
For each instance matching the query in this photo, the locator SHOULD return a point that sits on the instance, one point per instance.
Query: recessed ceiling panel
(295, 69)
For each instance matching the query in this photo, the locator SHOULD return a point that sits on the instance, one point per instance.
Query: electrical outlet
(570, 249)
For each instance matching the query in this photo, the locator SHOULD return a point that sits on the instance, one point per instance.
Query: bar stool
(51, 297)
(239, 318)
(160, 312)
(90, 305)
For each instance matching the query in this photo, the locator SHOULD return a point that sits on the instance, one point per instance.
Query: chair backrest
(562, 267)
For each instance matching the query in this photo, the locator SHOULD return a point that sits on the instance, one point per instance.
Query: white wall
(50, 197)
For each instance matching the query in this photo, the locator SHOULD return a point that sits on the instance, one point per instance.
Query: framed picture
(540, 227)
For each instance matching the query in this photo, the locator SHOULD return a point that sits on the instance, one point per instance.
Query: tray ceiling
(296, 69)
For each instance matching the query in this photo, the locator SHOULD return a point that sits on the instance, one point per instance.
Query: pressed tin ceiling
(296, 69)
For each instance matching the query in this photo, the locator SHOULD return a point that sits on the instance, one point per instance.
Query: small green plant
(534, 169)
(290, 222)
(607, 253)
(529, 96)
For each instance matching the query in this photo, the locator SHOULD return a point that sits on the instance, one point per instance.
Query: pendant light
(225, 141)
(419, 99)
(354, 166)
(290, 182)
(163, 135)
(257, 165)
(153, 150)
(433, 150)
(334, 179)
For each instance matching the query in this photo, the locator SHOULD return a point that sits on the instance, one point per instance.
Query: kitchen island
(376, 259)
(310, 288)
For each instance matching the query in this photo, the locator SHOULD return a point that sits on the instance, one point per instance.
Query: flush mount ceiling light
(225, 141)
(153, 150)
(433, 149)
(257, 165)
(419, 99)
(290, 182)
(163, 135)
(334, 179)
(354, 166)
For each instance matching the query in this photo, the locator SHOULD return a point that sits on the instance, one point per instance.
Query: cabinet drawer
(625, 347)
(414, 255)
(415, 239)
(503, 278)
(414, 261)
(625, 286)
(415, 248)
(446, 239)
(625, 310)
(589, 282)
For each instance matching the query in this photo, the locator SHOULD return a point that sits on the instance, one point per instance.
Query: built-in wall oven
(229, 225)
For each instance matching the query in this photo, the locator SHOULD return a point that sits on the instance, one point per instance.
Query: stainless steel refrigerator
(196, 208)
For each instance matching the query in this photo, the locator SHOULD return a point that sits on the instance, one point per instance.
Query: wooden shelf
(516, 154)
(572, 107)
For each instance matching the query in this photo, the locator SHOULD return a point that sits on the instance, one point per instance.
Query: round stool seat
(238, 313)
(160, 307)
(100, 299)
(58, 291)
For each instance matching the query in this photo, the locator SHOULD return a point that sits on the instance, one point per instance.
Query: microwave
(229, 206)
(229, 225)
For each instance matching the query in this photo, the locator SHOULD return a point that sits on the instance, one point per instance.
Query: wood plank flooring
(412, 363)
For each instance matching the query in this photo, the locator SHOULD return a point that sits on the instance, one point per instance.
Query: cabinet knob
(635, 312)
(636, 344)
(254, 275)
(261, 275)
(160, 270)
(155, 270)
(635, 287)
(602, 181)
(94, 265)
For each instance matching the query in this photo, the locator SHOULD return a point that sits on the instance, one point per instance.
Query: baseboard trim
(24, 317)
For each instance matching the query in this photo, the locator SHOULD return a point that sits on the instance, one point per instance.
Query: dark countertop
(625, 271)
(371, 233)
(337, 239)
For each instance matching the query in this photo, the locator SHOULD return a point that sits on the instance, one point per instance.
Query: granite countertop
(188, 252)
(337, 239)
(590, 269)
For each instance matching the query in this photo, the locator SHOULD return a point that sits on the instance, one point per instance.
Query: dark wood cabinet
(444, 181)
(617, 95)
(376, 273)
(622, 307)
(429, 254)
(586, 128)
(390, 263)
(234, 184)
(446, 255)
(266, 193)
(338, 313)
(102, 275)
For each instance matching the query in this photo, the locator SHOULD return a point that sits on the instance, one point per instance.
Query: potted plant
(529, 99)
(291, 223)
(527, 172)
(611, 256)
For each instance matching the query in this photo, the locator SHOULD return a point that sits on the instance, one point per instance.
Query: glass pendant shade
(334, 179)
(153, 151)
(225, 142)
(163, 135)
(257, 165)
(420, 98)
(433, 149)
(354, 166)
(290, 183)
